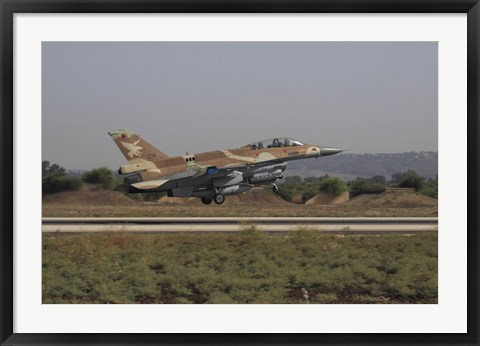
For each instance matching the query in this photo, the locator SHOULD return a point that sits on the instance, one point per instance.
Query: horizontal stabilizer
(150, 184)
(121, 188)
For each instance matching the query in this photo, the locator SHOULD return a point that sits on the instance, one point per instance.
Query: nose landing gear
(275, 188)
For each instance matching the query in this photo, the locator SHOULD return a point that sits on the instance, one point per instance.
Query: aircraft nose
(330, 151)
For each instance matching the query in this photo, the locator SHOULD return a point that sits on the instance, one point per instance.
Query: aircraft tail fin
(134, 147)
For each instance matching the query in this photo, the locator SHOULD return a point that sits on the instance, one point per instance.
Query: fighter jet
(212, 175)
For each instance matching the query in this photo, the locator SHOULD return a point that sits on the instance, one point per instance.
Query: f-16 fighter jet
(212, 175)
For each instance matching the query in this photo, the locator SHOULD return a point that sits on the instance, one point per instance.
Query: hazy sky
(371, 97)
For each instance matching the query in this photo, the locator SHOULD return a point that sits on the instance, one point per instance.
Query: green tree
(102, 176)
(362, 185)
(430, 188)
(397, 178)
(378, 179)
(413, 180)
(333, 185)
(54, 179)
(54, 169)
(358, 184)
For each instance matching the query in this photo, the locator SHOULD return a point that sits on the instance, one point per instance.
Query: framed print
(206, 235)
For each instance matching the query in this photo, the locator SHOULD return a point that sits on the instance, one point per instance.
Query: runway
(274, 225)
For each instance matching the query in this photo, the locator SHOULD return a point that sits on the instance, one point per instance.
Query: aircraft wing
(204, 176)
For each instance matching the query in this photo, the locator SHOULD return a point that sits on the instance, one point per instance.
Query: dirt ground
(394, 199)
(101, 203)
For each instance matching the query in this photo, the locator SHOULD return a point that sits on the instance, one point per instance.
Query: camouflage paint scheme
(209, 175)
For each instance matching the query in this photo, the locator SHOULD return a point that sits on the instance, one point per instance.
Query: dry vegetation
(256, 203)
(250, 267)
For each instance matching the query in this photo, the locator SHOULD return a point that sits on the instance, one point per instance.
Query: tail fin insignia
(134, 147)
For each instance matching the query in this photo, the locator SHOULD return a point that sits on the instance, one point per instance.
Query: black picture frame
(10, 7)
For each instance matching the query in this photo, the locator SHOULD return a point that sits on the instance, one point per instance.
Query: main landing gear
(219, 198)
(206, 200)
(275, 188)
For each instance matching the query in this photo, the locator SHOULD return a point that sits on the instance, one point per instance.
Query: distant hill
(350, 166)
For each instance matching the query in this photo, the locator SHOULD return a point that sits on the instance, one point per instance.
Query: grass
(250, 267)
(293, 210)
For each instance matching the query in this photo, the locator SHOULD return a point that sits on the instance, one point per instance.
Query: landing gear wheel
(275, 188)
(206, 200)
(219, 198)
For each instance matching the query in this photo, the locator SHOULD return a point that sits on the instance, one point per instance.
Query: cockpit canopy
(274, 143)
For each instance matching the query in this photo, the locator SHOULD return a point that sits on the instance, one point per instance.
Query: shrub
(430, 189)
(286, 193)
(59, 183)
(334, 186)
(307, 195)
(413, 180)
(102, 176)
(240, 268)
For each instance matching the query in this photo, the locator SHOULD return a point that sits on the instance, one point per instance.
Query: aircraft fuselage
(209, 175)
(172, 168)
